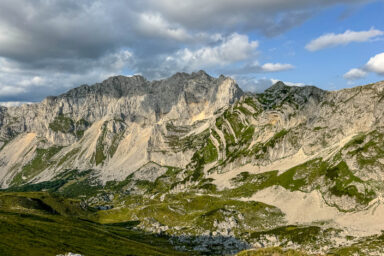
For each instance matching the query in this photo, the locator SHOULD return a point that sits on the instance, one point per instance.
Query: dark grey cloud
(268, 16)
(48, 46)
(40, 29)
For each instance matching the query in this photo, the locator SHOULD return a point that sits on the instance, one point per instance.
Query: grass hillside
(42, 224)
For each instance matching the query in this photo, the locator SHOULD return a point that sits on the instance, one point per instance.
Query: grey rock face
(115, 126)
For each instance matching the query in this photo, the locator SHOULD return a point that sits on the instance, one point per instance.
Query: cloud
(259, 85)
(235, 49)
(232, 49)
(34, 81)
(8, 90)
(354, 74)
(90, 29)
(13, 103)
(276, 67)
(349, 36)
(270, 17)
(376, 64)
(254, 84)
(255, 67)
(20, 82)
(154, 24)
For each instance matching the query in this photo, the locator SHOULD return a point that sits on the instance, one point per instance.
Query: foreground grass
(40, 224)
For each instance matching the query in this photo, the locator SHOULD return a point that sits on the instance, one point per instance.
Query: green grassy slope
(42, 224)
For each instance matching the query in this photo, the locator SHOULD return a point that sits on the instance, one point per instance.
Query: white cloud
(256, 67)
(36, 80)
(349, 36)
(232, 49)
(259, 85)
(8, 90)
(13, 103)
(376, 64)
(275, 67)
(155, 25)
(355, 73)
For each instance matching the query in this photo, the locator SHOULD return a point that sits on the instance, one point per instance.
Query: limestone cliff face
(316, 140)
(115, 126)
(300, 123)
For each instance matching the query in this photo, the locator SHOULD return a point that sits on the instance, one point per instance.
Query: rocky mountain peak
(133, 99)
(115, 86)
(123, 86)
(280, 93)
(277, 86)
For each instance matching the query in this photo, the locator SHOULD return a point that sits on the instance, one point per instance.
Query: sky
(50, 46)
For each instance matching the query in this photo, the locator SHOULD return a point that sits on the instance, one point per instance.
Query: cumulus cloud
(355, 73)
(255, 67)
(234, 48)
(276, 67)
(153, 24)
(349, 36)
(375, 65)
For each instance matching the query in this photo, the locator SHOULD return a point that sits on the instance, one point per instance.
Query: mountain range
(212, 168)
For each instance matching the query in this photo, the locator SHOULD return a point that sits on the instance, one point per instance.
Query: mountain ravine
(197, 164)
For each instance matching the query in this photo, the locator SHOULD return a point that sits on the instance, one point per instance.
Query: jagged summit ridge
(115, 93)
(123, 86)
(279, 85)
